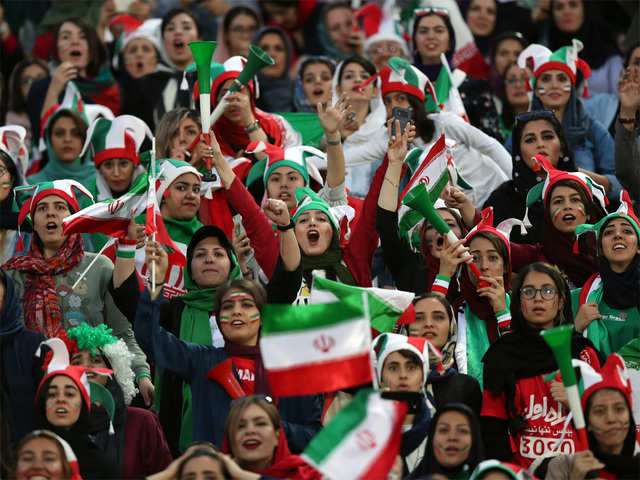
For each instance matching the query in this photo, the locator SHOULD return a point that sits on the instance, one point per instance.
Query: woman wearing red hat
(43, 453)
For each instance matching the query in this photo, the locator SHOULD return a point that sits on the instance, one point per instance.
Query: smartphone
(412, 398)
(401, 114)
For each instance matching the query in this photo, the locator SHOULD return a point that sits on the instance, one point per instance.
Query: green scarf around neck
(331, 258)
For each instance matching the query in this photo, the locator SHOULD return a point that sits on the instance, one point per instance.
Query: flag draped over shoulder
(362, 441)
(447, 94)
(301, 344)
(386, 307)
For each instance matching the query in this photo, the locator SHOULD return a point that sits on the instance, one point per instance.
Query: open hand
(332, 118)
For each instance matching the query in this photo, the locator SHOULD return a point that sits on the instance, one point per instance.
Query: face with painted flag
(239, 318)
(63, 402)
(41, 457)
(567, 209)
(608, 419)
(140, 57)
(452, 439)
(553, 88)
(47, 221)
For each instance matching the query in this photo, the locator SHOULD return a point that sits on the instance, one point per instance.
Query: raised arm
(332, 119)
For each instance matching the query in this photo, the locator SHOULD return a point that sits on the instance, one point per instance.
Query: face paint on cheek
(541, 90)
(413, 331)
(626, 424)
(439, 448)
(582, 210)
(465, 448)
(254, 318)
(6, 184)
(224, 319)
(555, 215)
(566, 88)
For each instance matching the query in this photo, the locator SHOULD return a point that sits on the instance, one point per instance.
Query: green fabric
(307, 125)
(310, 200)
(615, 329)
(195, 328)
(477, 341)
(331, 258)
(631, 354)
(442, 87)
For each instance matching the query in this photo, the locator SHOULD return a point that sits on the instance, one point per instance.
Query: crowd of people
(140, 254)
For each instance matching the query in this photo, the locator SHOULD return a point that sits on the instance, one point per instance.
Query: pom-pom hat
(387, 343)
(117, 138)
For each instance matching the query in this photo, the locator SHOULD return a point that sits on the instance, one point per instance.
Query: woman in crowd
(582, 20)
(63, 406)
(505, 49)
(276, 87)
(44, 276)
(81, 58)
(607, 305)
(611, 428)
(239, 26)
(44, 453)
(338, 32)
(138, 436)
(24, 75)
(403, 366)
(364, 124)
(10, 179)
(433, 35)
(513, 373)
(175, 135)
(65, 131)
(513, 97)
(454, 445)
(481, 17)
(256, 417)
(435, 322)
(314, 84)
(213, 372)
(156, 93)
(242, 122)
(556, 75)
(536, 132)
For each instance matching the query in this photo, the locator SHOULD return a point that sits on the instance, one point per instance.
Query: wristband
(140, 375)
(441, 284)
(504, 320)
(287, 227)
(126, 250)
(252, 127)
(334, 142)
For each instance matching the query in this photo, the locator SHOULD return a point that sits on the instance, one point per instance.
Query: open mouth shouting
(51, 227)
(313, 236)
(251, 443)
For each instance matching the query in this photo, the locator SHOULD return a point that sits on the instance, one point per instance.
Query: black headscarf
(276, 94)
(430, 465)
(620, 290)
(595, 33)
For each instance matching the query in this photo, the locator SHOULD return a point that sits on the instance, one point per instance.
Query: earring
(517, 158)
(565, 159)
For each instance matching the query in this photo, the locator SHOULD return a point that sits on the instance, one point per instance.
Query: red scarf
(232, 136)
(285, 464)
(42, 312)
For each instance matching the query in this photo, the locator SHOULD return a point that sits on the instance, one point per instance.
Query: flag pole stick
(82, 275)
(153, 235)
(374, 375)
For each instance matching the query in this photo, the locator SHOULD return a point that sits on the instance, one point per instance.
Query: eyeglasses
(443, 12)
(240, 29)
(534, 115)
(529, 293)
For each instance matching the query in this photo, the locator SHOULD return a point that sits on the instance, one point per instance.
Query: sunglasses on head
(443, 12)
(534, 115)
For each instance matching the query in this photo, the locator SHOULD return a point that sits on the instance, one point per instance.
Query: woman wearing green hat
(607, 306)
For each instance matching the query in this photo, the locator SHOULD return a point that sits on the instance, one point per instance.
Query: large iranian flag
(362, 441)
(309, 349)
(386, 307)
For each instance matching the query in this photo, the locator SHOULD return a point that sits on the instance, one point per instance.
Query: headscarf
(300, 98)
(276, 94)
(429, 463)
(81, 169)
(330, 49)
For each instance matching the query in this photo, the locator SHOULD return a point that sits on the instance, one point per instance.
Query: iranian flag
(431, 172)
(362, 441)
(386, 307)
(448, 97)
(112, 217)
(308, 349)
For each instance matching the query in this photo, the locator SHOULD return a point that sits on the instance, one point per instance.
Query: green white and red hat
(12, 143)
(613, 375)
(387, 343)
(66, 448)
(541, 190)
(625, 210)
(379, 24)
(58, 364)
(117, 138)
(540, 59)
(28, 196)
(513, 471)
(149, 30)
(340, 216)
(401, 76)
(502, 231)
(301, 158)
(220, 73)
(172, 169)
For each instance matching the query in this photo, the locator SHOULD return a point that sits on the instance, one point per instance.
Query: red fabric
(285, 464)
(545, 417)
(42, 312)
(229, 134)
(10, 44)
(264, 243)
(145, 448)
(109, 97)
(43, 46)
(215, 211)
(523, 254)
(358, 254)
(246, 371)
(475, 66)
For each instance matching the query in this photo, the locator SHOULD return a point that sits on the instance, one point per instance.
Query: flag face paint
(566, 88)
(541, 90)
(556, 214)
(254, 318)
(224, 319)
